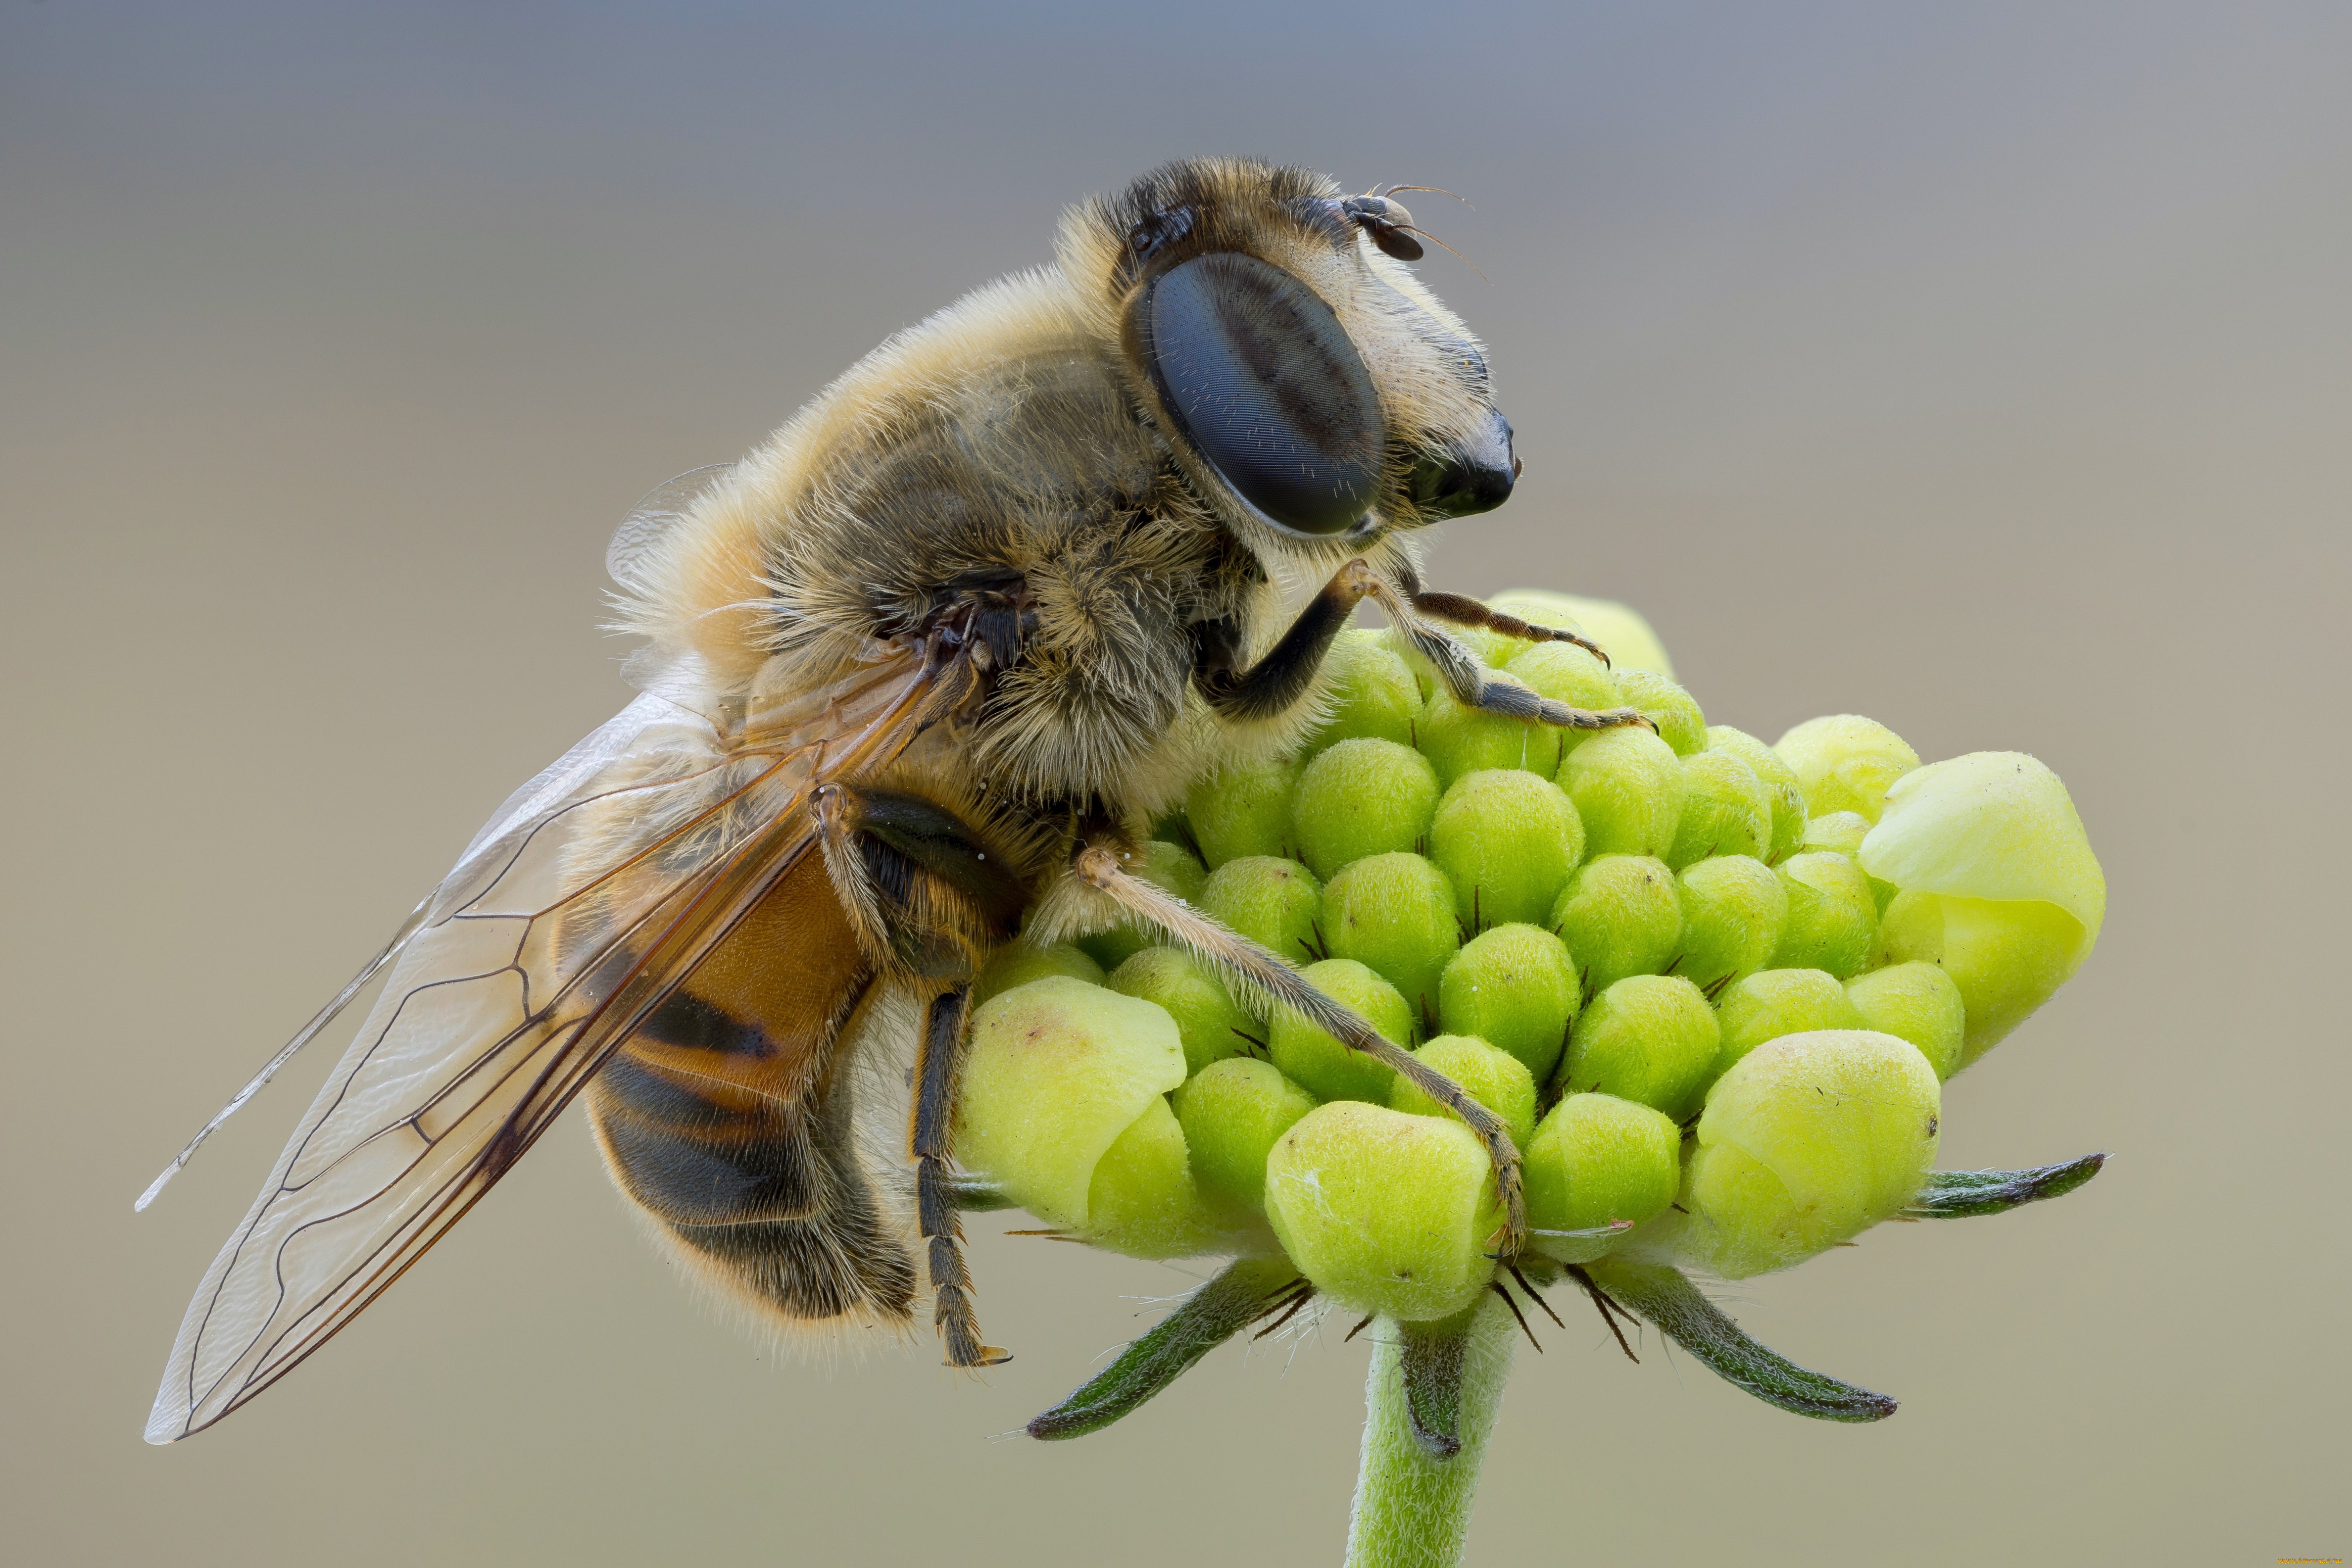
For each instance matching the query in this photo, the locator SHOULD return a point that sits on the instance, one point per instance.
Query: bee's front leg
(1414, 609)
(1096, 868)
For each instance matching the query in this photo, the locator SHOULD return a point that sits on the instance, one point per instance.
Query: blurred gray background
(1985, 369)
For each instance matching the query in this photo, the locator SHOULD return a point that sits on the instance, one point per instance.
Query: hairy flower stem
(1429, 1406)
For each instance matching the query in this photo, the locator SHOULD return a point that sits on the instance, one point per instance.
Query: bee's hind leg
(928, 903)
(1096, 864)
(939, 1073)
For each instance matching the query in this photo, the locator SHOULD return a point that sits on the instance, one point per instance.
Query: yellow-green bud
(1597, 1160)
(1145, 1202)
(1057, 1070)
(1565, 673)
(1771, 1003)
(1243, 810)
(1329, 1069)
(1845, 761)
(1618, 628)
(1779, 780)
(1999, 886)
(1620, 915)
(1211, 1023)
(1734, 907)
(1373, 695)
(1362, 797)
(1459, 738)
(1650, 1037)
(1496, 1080)
(1019, 962)
(1914, 1002)
(1515, 987)
(1394, 913)
(1231, 1112)
(1673, 710)
(1836, 832)
(1385, 1213)
(1627, 786)
(1726, 810)
(1831, 915)
(1506, 840)
(1807, 1141)
(1276, 903)
(1164, 865)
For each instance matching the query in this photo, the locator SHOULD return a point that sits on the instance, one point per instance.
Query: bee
(918, 674)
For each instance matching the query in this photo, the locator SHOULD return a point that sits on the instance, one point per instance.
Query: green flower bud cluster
(1711, 986)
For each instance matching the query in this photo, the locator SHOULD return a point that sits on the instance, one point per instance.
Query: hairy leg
(924, 897)
(1095, 866)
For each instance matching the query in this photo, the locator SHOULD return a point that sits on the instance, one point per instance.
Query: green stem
(1434, 1386)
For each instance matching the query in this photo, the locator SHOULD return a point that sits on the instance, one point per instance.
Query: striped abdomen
(728, 1117)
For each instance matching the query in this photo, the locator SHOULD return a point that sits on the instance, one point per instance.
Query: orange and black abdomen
(729, 1116)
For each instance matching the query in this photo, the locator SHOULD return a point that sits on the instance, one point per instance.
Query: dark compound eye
(1269, 388)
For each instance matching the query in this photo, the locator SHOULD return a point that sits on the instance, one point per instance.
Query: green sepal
(1431, 1365)
(978, 1195)
(1956, 1194)
(1207, 1319)
(1662, 1295)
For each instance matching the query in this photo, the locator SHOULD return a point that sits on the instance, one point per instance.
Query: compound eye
(1268, 389)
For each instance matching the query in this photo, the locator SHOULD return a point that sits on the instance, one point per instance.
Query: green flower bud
(1163, 865)
(1630, 642)
(1622, 914)
(1496, 1080)
(1385, 1213)
(1019, 962)
(1627, 786)
(1914, 1002)
(1329, 1069)
(1057, 1070)
(1807, 1141)
(1461, 740)
(1210, 1023)
(1836, 832)
(1771, 1003)
(1515, 988)
(1779, 780)
(1831, 915)
(1507, 841)
(1565, 673)
(1734, 908)
(1649, 1037)
(1243, 810)
(1595, 1161)
(1726, 810)
(1672, 708)
(1231, 1112)
(1845, 763)
(1416, 664)
(1362, 797)
(1373, 695)
(1395, 912)
(1145, 1202)
(1999, 886)
(1842, 832)
(1276, 903)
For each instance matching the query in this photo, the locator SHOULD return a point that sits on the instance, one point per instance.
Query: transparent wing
(655, 516)
(595, 890)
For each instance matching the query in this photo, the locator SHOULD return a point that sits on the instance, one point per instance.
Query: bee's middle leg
(928, 903)
(1097, 864)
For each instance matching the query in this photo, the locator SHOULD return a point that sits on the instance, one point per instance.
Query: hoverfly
(919, 672)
